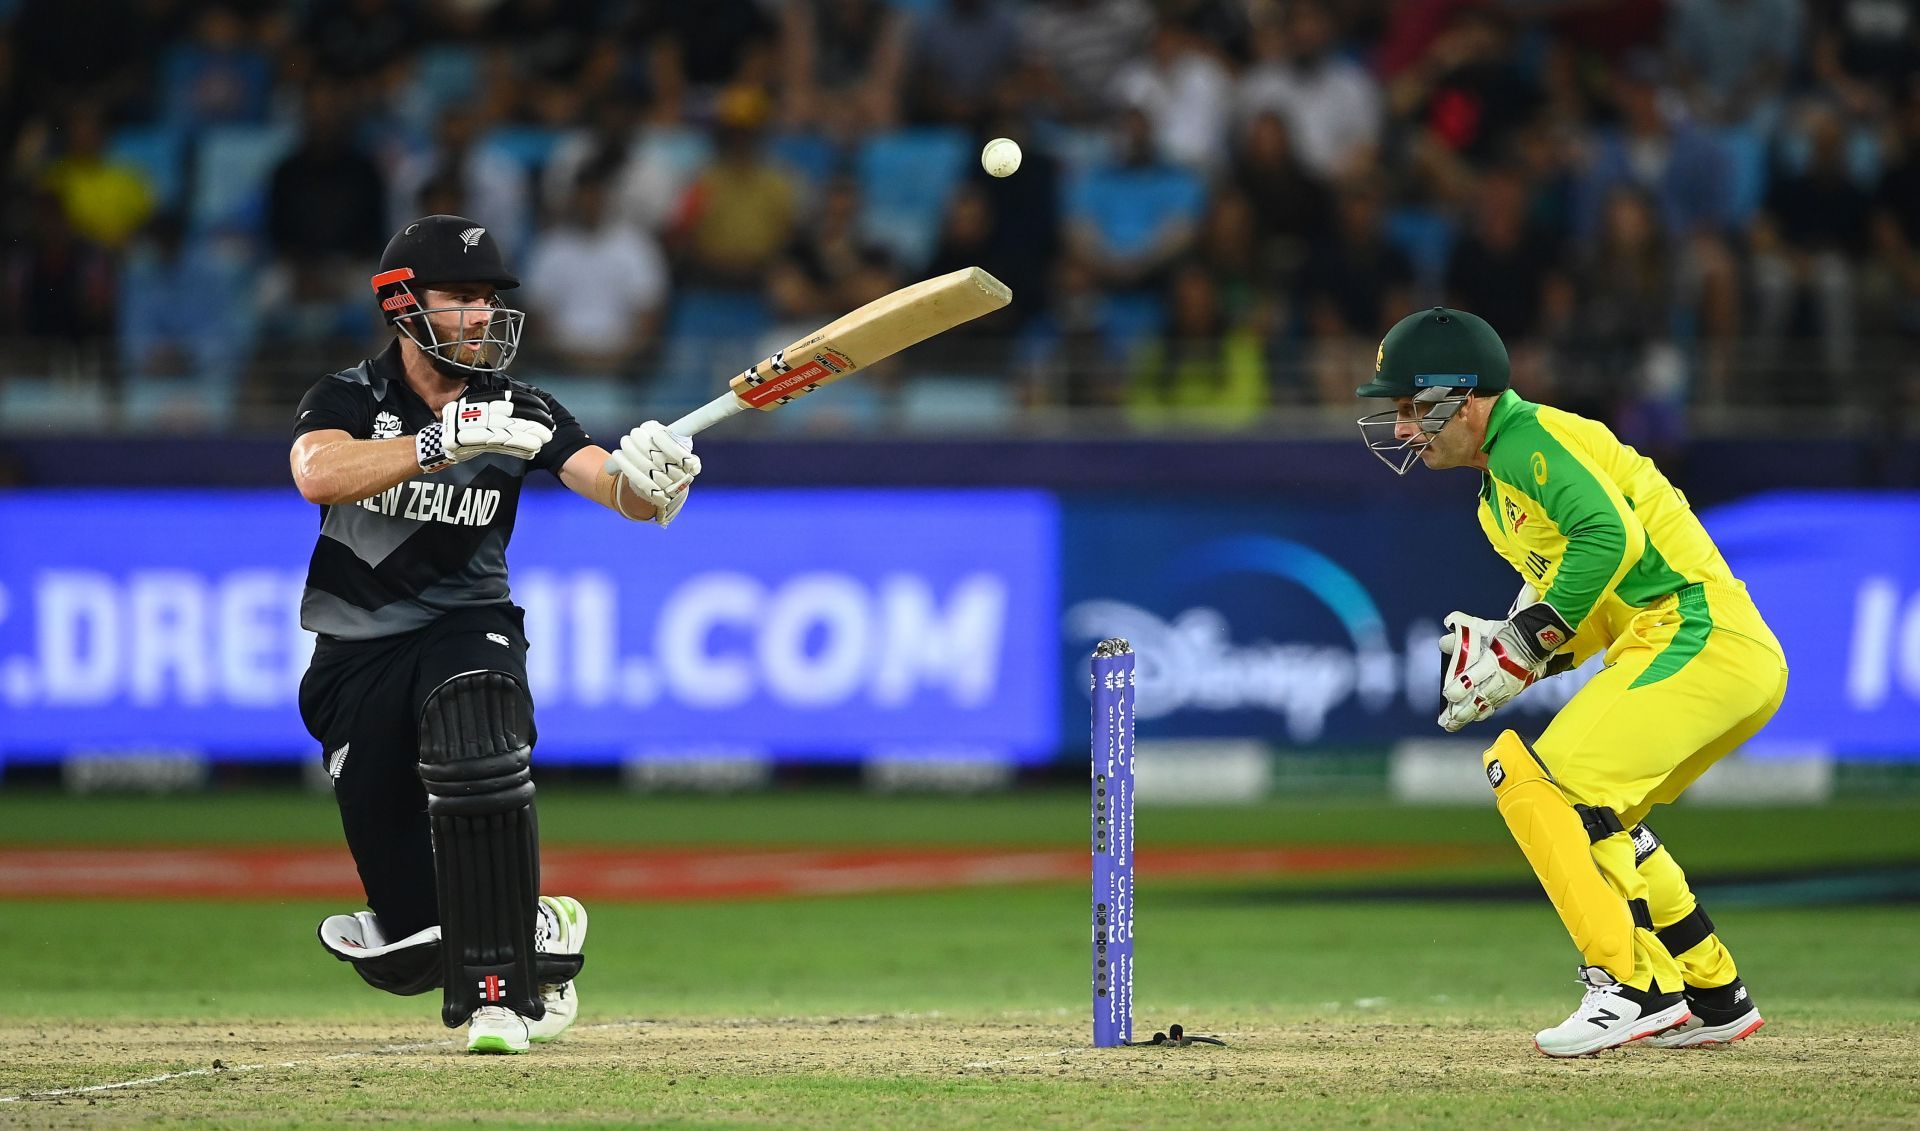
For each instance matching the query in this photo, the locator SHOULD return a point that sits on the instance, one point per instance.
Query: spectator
(1467, 95)
(104, 200)
(1026, 236)
(1205, 369)
(490, 186)
(1186, 95)
(963, 52)
(1291, 206)
(1896, 219)
(184, 310)
(1079, 45)
(1330, 104)
(846, 65)
(1676, 163)
(59, 284)
(1230, 249)
(830, 248)
(741, 212)
(1066, 356)
(1732, 58)
(1508, 271)
(1806, 241)
(360, 42)
(1131, 222)
(1356, 285)
(966, 240)
(597, 286)
(327, 198)
(220, 76)
(1623, 313)
(694, 52)
(559, 60)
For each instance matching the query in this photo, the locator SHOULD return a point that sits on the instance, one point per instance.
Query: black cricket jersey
(434, 543)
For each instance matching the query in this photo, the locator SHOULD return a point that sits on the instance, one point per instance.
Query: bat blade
(854, 341)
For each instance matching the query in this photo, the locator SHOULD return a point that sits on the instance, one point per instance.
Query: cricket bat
(854, 341)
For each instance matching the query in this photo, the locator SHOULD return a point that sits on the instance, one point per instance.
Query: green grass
(952, 1009)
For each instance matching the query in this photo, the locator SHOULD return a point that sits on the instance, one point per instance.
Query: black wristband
(430, 450)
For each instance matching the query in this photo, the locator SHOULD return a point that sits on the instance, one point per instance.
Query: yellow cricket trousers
(1694, 675)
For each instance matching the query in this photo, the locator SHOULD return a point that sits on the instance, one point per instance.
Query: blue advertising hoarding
(818, 623)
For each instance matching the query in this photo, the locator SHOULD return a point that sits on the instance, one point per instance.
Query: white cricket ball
(1001, 157)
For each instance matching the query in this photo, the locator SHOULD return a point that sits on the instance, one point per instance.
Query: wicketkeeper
(1613, 561)
(417, 691)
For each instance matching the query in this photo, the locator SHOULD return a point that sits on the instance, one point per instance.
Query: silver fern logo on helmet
(471, 237)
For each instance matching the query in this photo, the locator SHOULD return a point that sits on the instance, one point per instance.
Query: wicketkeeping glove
(1488, 662)
(474, 423)
(658, 465)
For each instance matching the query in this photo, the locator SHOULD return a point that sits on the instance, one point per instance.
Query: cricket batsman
(1612, 561)
(417, 691)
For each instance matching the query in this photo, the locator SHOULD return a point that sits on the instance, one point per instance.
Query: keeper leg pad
(476, 733)
(1555, 839)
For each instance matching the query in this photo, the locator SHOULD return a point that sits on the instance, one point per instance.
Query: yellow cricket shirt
(1590, 523)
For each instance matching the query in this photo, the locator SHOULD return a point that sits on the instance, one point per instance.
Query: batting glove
(658, 465)
(1488, 662)
(476, 423)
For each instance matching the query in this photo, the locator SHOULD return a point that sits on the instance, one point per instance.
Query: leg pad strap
(1688, 933)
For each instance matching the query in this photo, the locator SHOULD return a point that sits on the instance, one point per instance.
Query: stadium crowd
(1662, 204)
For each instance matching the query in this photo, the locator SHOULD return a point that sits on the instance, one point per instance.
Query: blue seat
(1128, 207)
(233, 168)
(57, 404)
(1746, 157)
(1426, 237)
(936, 403)
(807, 153)
(530, 146)
(159, 152)
(1128, 318)
(603, 405)
(906, 179)
(711, 334)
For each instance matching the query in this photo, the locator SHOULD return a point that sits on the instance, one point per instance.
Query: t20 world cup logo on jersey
(386, 426)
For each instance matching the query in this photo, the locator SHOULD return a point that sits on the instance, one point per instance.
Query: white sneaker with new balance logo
(1721, 1016)
(560, 929)
(1610, 1015)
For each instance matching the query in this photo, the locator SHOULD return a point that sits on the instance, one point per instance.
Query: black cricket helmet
(1439, 357)
(437, 250)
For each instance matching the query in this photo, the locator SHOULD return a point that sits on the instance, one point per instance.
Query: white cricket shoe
(1721, 1016)
(496, 1029)
(1610, 1015)
(561, 929)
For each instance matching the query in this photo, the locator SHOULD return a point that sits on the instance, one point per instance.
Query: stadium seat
(159, 152)
(233, 167)
(906, 179)
(806, 153)
(603, 405)
(1129, 206)
(528, 145)
(1746, 155)
(183, 404)
(53, 403)
(1425, 236)
(1128, 318)
(939, 403)
(710, 334)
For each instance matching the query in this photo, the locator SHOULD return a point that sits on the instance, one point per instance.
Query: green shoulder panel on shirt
(1527, 456)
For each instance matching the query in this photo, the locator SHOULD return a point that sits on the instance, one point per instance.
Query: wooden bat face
(870, 334)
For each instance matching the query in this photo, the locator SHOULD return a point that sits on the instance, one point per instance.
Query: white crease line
(163, 1077)
(166, 1076)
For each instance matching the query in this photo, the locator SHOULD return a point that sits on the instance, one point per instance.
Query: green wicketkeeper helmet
(1439, 357)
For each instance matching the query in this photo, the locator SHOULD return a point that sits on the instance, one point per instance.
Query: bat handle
(708, 415)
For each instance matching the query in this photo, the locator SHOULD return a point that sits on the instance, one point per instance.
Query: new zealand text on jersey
(424, 501)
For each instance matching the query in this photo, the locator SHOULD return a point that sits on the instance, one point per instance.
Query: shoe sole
(492, 1046)
(1720, 1035)
(1655, 1024)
